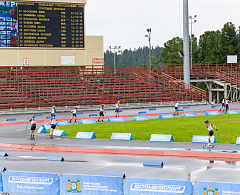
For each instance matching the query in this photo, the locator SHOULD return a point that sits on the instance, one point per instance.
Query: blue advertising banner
(191, 114)
(59, 133)
(238, 141)
(42, 129)
(31, 183)
(139, 186)
(215, 188)
(91, 185)
(140, 118)
(115, 119)
(62, 123)
(47, 126)
(1, 184)
(85, 135)
(232, 112)
(87, 121)
(161, 138)
(211, 113)
(202, 139)
(121, 136)
(164, 116)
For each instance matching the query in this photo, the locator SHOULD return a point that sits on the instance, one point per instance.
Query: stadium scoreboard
(42, 25)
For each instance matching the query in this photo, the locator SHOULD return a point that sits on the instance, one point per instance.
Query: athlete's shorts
(101, 113)
(117, 109)
(212, 106)
(53, 126)
(176, 108)
(33, 127)
(210, 133)
(74, 114)
(223, 104)
(52, 114)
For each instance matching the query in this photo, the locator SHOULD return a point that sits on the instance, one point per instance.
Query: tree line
(211, 48)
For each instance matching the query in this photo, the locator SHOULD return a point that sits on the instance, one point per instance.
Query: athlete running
(226, 105)
(176, 108)
(53, 111)
(209, 127)
(117, 108)
(213, 104)
(101, 113)
(74, 114)
(223, 105)
(53, 123)
(33, 127)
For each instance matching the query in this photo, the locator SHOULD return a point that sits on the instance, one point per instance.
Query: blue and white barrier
(79, 113)
(85, 135)
(11, 119)
(203, 187)
(31, 183)
(139, 186)
(150, 109)
(59, 133)
(42, 129)
(55, 158)
(1, 182)
(238, 141)
(119, 111)
(47, 126)
(87, 121)
(186, 107)
(2, 169)
(115, 119)
(37, 114)
(191, 114)
(217, 105)
(48, 117)
(232, 112)
(203, 139)
(62, 123)
(121, 136)
(140, 118)
(93, 115)
(91, 185)
(143, 112)
(180, 110)
(121, 175)
(161, 138)
(156, 164)
(3, 154)
(211, 113)
(165, 116)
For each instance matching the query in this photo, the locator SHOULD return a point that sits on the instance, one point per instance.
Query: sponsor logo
(73, 186)
(210, 191)
(30, 180)
(157, 188)
(84, 121)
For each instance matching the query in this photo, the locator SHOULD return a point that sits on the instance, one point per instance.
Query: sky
(124, 22)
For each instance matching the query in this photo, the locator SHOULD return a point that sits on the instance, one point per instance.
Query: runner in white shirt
(117, 108)
(176, 108)
(53, 122)
(223, 105)
(101, 113)
(33, 127)
(74, 114)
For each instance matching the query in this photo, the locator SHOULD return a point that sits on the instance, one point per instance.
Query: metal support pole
(210, 92)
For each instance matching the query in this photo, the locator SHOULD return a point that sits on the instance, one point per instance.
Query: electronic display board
(41, 25)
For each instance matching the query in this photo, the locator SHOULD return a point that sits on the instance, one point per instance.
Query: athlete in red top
(209, 127)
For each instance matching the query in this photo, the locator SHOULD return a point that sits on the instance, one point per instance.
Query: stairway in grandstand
(71, 86)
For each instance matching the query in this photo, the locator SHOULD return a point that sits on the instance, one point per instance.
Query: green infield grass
(181, 128)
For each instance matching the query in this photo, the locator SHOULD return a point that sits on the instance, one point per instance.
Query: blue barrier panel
(47, 126)
(232, 112)
(139, 186)
(11, 119)
(204, 187)
(87, 121)
(121, 136)
(115, 119)
(55, 158)
(161, 138)
(59, 133)
(152, 109)
(37, 114)
(79, 113)
(180, 110)
(143, 112)
(2, 169)
(3, 154)
(93, 115)
(164, 116)
(211, 113)
(121, 175)
(91, 185)
(42, 129)
(186, 107)
(191, 114)
(85, 135)
(31, 183)
(1, 183)
(119, 111)
(156, 164)
(62, 123)
(202, 139)
(217, 105)
(140, 118)
(238, 141)
(48, 117)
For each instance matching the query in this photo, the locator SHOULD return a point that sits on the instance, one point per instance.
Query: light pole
(192, 18)
(149, 39)
(117, 48)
